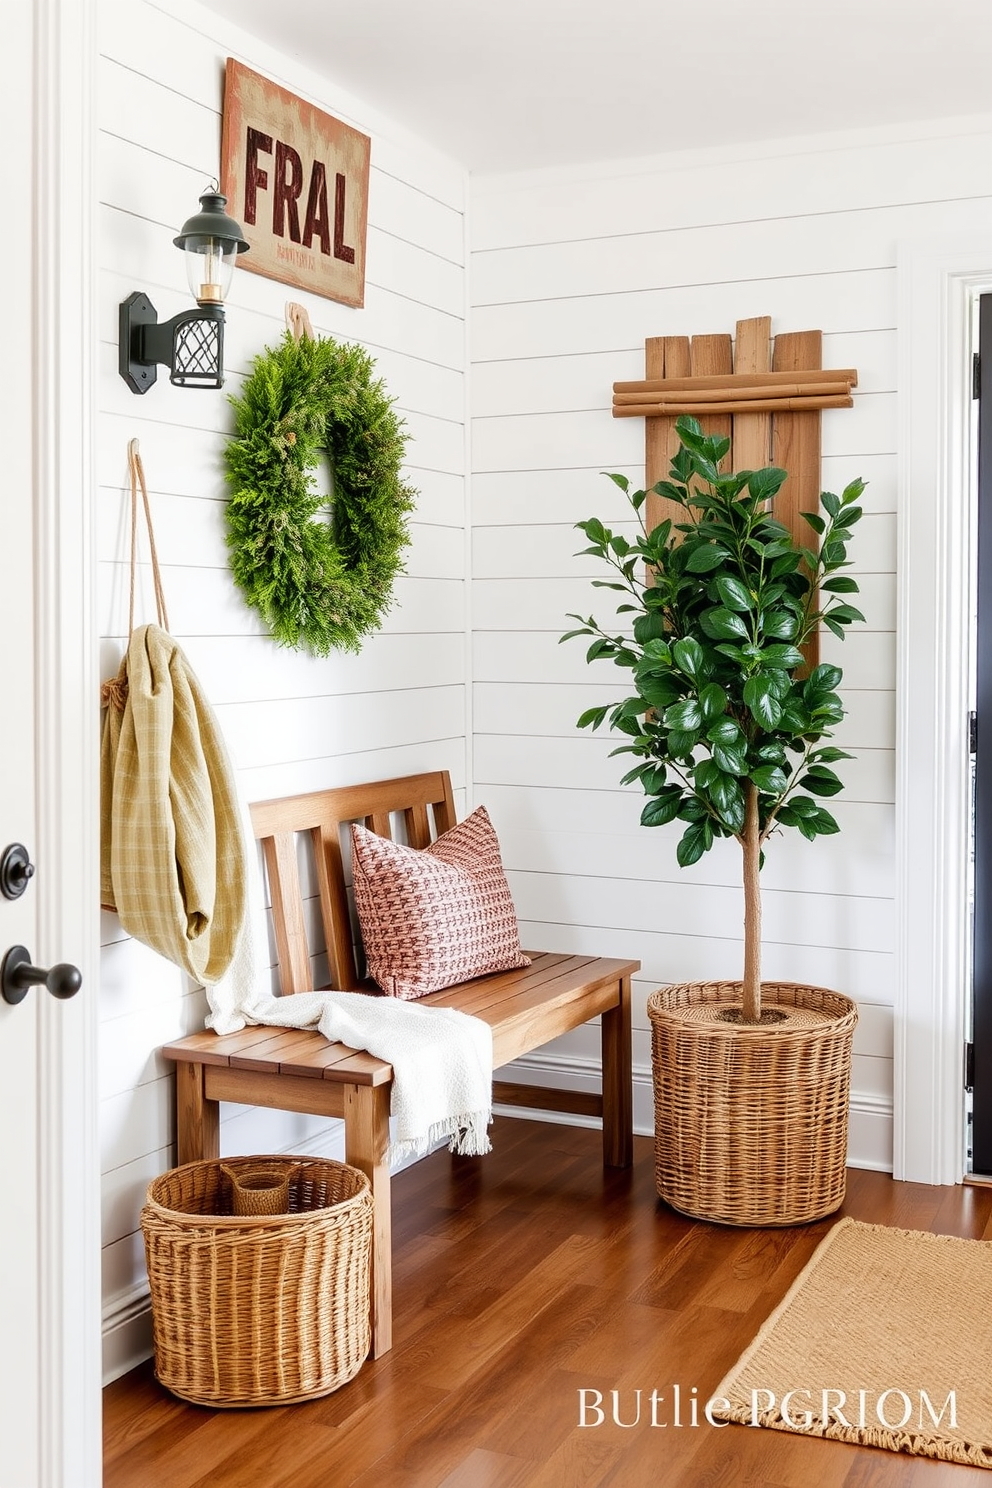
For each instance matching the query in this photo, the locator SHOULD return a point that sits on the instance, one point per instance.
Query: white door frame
(937, 279)
(62, 133)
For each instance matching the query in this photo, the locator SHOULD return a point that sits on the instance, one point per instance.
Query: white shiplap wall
(570, 271)
(292, 723)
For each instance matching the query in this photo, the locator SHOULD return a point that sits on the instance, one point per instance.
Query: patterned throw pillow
(435, 917)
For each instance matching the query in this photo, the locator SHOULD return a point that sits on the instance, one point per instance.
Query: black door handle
(17, 975)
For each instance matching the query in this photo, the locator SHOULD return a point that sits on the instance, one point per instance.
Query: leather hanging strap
(138, 479)
(298, 321)
(113, 692)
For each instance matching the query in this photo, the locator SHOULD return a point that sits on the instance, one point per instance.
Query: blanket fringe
(467, 1135)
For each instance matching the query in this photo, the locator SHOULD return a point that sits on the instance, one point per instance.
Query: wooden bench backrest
(426, 805)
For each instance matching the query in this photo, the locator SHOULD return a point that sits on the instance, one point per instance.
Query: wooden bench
(300, 1071)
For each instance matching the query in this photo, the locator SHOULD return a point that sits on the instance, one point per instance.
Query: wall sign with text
(298, 181)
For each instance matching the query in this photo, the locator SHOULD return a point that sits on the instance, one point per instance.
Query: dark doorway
(980, 1055)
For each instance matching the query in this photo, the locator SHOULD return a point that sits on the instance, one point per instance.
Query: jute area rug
(884, 1340)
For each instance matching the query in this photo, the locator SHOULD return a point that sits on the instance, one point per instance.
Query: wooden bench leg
(197, 1118)
(366, 1139)
(618, 1094)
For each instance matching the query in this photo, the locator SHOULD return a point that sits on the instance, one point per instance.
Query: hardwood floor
(520, 1279)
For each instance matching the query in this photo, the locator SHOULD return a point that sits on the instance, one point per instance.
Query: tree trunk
(751, 844)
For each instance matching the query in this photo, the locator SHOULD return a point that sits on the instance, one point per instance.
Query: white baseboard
(869, 1142)
(127, 1331)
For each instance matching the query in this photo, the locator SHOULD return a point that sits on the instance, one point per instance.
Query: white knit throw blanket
(442, 1059)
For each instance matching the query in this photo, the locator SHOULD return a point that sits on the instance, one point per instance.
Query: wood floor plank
(528, 1282)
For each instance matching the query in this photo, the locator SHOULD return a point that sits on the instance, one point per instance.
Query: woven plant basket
(751, 1122)
(258, 1310)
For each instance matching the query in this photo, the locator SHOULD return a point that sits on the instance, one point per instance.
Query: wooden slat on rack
(796, 448)
(712, 356)
(752, 431)
(664, 357)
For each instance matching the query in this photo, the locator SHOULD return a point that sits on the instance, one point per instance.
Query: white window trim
(937, 281)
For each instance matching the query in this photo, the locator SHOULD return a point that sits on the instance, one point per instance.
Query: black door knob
(16, 871)
(17, 975)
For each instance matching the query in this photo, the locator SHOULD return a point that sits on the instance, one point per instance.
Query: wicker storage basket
(258, 1310)
(751, 1122)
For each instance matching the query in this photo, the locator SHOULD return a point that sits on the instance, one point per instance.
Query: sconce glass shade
(191, 344)
(211, 242)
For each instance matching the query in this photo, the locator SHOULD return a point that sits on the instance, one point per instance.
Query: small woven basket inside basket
(751, 1122)
(266, 1309)
(260, 1189)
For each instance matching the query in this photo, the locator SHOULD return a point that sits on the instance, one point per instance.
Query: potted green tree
(727, 724)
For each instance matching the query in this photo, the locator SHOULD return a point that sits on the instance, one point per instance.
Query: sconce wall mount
(191, 344)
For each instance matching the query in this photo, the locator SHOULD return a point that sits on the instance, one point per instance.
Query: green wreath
(316, 584)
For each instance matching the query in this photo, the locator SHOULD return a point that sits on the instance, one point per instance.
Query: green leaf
(705, 557)
(723, 625)
(684, 715)
(600, 647)
(825, 824)
(571, 634)
(821, 781)
(662, 808)
(763, 484)
(733, 812)
(803, 806)
(725, 731)
(592, 716)
(691, 808)
(727, 795)
(681, 742)
(712, 701)
(659, 692)
(846, 614)
(654, 778)
(815, 521)
(830, 502)
(687, 655)
(618, 480)
(635, 774)
(795, 717)
(830, 754)
(824, 678)
(637, 499)
(692, 845)
(731, 761)
(734, 593)
(671, 492)
(841, 584)
(781, 656)
(650, 627)
(779, 624)
(760, 699)
(770, 778)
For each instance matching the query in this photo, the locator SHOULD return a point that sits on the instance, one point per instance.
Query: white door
(49, 1234)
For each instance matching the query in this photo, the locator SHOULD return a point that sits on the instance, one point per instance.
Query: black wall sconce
(191, 344)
